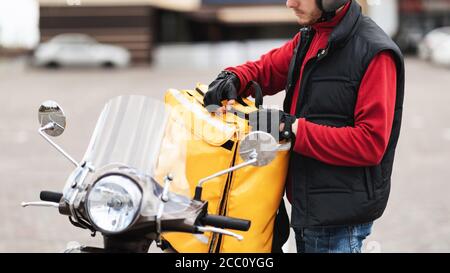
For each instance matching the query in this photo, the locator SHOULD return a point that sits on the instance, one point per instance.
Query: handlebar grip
(51, 196)
(226, 222)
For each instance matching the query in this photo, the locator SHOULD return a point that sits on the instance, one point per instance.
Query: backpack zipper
(217, 238)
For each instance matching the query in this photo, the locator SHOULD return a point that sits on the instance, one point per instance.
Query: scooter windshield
(144, 134)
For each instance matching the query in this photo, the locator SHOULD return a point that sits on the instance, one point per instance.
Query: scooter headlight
(114, 203)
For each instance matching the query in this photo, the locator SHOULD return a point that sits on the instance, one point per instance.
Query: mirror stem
(198, 189)
(50, 126)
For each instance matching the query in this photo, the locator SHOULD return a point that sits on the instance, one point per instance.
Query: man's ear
(319, 4)
(330, 5)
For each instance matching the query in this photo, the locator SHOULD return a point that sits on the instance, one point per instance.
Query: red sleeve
(270, 71)
(366, 142)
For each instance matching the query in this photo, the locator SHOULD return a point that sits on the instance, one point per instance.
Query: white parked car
(79, 50)
(436, 46)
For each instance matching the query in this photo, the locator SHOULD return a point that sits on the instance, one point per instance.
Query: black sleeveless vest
(329, 195)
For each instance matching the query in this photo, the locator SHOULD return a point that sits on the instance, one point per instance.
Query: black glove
(269, 120)
(224, 87)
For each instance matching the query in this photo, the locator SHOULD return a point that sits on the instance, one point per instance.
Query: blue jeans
(332, 239)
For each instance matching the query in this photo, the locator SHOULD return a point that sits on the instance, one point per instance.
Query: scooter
(121, 188)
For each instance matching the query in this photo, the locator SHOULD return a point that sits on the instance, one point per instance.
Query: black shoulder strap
(281, 229)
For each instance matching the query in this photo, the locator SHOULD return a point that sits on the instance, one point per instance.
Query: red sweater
(361, 145)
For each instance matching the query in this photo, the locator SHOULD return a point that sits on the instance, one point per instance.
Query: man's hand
(275, 122)
(224, 87)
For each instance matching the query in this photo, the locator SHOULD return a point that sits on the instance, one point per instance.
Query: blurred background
(81, 53)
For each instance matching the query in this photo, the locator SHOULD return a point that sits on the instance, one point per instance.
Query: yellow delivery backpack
(251, 193)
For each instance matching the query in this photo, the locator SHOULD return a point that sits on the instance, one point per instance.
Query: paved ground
(417, 218)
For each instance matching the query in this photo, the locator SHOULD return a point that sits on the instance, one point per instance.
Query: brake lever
(40, 204)
(221, 231)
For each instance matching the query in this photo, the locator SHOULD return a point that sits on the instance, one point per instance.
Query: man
(344, 82)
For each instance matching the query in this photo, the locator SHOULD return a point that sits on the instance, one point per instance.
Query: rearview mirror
(52, 118)
(258, 145)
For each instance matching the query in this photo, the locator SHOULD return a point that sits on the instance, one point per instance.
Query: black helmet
(330, 5)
